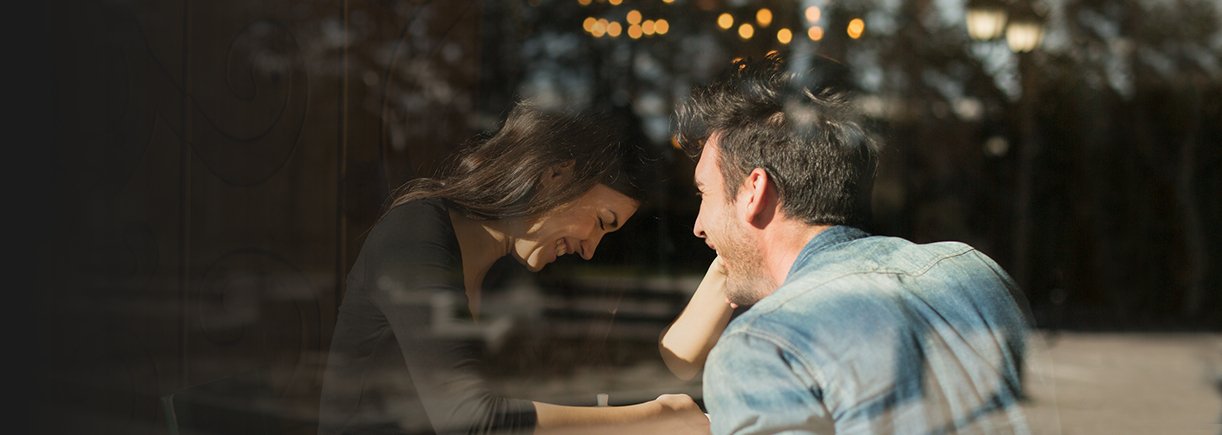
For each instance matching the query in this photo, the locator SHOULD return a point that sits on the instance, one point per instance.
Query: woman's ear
(558, 173)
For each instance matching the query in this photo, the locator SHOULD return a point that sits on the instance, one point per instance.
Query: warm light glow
(784, 35)
(813, 13)
(771, 53)
(615, 2)
(614, 29)
(746, 31)
(764, 17)
(856, 27)
(1024, 36)
(588, 24)
(815, 33)
(649, 27)
(985, 23)
(599, 28)
(668, 1)
(583, 2)
(634, 31)
(725, 21)
(661, 26)
(633, 17)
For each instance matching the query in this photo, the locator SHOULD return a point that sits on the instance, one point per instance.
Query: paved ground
(1083, 384)
(1109, 383)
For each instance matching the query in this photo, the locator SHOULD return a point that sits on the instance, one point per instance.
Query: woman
(544, 186)
(686, 343)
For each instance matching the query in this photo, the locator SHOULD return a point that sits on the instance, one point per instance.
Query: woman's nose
(590, 244)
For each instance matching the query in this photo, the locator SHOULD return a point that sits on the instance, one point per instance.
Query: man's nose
(698, 228)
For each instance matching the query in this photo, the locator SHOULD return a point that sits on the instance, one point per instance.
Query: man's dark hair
(812, 145)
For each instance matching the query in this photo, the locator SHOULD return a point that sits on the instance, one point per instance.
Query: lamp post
(1022, 23)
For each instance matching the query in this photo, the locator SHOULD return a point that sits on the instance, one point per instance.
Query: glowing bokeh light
(856, 27)
(813, 13)
(634, 31)
(599, 28)
(764, 17)
(746, 31)
(725, 21)
(633, 17)
(815, 33)
(614, 29)
(784, 35)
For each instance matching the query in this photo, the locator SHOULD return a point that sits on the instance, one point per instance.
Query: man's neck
(783, 243)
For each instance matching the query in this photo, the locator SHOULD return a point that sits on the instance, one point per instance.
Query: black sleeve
(413, 259)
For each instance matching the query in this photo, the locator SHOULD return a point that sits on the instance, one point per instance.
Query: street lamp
(1026, 28)
(986, 19)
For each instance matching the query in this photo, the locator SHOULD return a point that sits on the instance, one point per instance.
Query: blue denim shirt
(874, 335)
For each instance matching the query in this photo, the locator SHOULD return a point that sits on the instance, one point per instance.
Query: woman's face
(574, 228)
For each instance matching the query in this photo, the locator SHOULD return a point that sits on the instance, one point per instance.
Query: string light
(599, 28)
(725, 21)
(856, 27)
(649, 27)
(588, 24)
(661, 26)
(634, 31)
(813, 13)
(614, 29)
(764, 17)
(633, 17)
(815, 33)
(784, 35)
(746, 31)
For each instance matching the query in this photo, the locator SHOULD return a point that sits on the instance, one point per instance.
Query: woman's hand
(686, 343)
(681, 415)
(669, 414)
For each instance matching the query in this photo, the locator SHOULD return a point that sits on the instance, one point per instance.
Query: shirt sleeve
(754, 384)
(410, 267)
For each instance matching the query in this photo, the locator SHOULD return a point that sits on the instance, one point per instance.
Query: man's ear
(758, 196)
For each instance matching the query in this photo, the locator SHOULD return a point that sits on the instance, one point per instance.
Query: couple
(839, 331)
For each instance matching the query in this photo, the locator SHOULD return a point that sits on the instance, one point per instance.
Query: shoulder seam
(919, 272)
(785, 346)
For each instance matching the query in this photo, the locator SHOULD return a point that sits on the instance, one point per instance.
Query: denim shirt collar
(832, 236)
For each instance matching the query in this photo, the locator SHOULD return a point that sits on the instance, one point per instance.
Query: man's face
(719, 223)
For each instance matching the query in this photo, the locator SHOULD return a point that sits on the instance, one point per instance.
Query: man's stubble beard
(746, 282)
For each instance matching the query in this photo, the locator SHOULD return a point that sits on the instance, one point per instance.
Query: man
(847, 332)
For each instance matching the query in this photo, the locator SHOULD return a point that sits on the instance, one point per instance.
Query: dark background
(207, 171)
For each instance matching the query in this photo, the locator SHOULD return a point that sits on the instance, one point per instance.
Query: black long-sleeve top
(390, 370)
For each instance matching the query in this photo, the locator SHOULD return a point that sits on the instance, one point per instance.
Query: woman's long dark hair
(499, 177)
